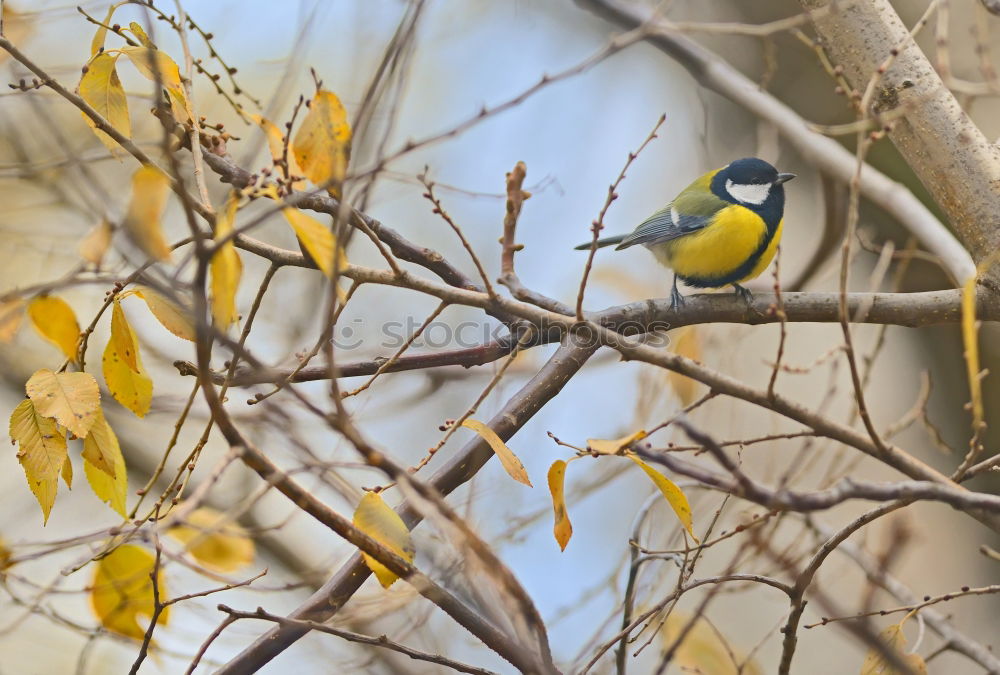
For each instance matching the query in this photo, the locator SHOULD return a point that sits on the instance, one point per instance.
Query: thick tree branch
(326, 602)
(936, 137)
(466, 358)
(380, 641)
(898, 309)
(517, 654)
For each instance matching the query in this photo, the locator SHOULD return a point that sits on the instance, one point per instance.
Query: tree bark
(957, 164)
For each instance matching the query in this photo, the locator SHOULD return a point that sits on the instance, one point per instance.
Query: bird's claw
(744, 294)
(676, 299)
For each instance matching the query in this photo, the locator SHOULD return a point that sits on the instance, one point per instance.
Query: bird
(721, 230)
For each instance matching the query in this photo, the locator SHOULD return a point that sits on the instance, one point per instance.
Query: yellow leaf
(275, 139)
(96, 243)
(214, 541)
(276, 144)
(123, 589)
(226, 268)
(322, 145)
(685, 344)
(876, 663)
(132, 389)
(11, 314)
(702, 649)
(124, 338)
(563, 529)
(614, 446)
(73, 399)
(140, 34)
(100, 445)
(101, 88)
(104, 466)
(157, 66)
(171, 316)
(56, 322)
(150, 188)
(317, 241)
(67, 472)
(41, 451)
(511, 464)
(97, 44)
(970, 339)
(374, 517)
(673, 494)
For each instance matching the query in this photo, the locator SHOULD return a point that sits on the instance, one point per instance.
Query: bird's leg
(744, 293)
(676, 299)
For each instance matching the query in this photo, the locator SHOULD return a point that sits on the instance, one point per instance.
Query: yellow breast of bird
(768, 255)
(719, 249)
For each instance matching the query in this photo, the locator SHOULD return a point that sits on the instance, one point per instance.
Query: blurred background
(56, 181)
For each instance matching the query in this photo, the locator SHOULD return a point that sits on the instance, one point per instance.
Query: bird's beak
(784, 178)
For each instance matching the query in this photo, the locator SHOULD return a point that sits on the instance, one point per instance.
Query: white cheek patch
(748, 194)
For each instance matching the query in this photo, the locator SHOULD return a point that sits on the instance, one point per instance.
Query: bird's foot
(676, 299)
(744, 294)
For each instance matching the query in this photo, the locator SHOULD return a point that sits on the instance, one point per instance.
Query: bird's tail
(601, 243)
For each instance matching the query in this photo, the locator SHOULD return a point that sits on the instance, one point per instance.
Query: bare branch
(380, 641)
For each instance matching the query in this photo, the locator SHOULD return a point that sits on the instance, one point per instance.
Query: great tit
(722, 229)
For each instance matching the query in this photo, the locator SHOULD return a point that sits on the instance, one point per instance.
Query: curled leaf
(674, 495)
(563, 528)
(374, 517)
(511, 464)
(614, 446)
(970, 339)
(103, 90)
(100, 444)
(140, 33)
(276, 144)
(97, 43)
(55, 321)
(226, 268)
(104, 466)
(157, 66)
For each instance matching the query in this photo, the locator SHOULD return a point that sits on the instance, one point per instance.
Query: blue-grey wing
(665, 225)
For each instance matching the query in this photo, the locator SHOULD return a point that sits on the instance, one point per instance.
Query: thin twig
(598, 224)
